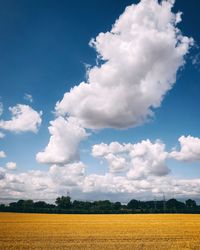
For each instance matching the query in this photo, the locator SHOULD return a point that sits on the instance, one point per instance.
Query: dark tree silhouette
(190, 203)
(64, 205)
(173, 205)
(133, 204)
(64, 202)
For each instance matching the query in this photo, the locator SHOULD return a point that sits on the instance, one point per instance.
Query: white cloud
(141, 159)
(139, 59)
(24, 119)
(141, 189)
(28, 98)
(189, 149)
(30, 184)
(109, 183)
(112, 154)
(36, 184)
(2, 135)
(11, 165)
(62, 148)
(150, 177)
(2, 154)
(70, 175)
(141, 56)
(103, 149)
(116, 163)
(148, 159)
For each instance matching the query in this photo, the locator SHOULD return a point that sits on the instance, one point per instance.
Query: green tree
(117, 205)
(103, 205)
(63, 202)
(20, 203)
(40, 204)
(133, 204)
(190, 203)
(28, 204)
(174, 205)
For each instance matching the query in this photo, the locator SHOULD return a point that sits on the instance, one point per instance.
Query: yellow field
(45, 231)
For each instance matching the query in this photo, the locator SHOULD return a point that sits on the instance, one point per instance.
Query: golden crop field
(56, 231)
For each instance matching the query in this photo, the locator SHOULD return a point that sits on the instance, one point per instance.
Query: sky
(99, 99)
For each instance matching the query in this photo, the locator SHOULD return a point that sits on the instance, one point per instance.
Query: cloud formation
(28, 98)
(11, 165)
(137, 65)
(138, 62)
(148, 159)
(140, 57)
(189, 149)
(23, 119)
(62, 148)
(37, 184)
(2, 135)
(141, 159)
(138, 169)
(2, 154)
(71, 177)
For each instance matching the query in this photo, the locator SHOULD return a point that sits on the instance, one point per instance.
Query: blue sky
(44, 52)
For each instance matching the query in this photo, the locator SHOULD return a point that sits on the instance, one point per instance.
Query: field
(46, 231)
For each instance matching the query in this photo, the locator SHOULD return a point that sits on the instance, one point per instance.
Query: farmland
(56, 231)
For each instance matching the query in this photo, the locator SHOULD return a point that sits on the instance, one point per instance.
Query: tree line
(64, 204)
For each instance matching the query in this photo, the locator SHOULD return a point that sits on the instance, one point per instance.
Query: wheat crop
(60, 232)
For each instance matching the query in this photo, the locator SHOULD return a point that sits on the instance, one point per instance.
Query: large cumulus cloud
(141, 56)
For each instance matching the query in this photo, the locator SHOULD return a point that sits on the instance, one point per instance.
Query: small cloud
(28, 98)
(195, 56)
(196, 61)
(11, 165)
(2, 154)
(2, 135)
(23, 119)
